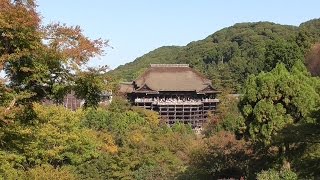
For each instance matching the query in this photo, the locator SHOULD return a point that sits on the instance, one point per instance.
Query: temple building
(176, 91)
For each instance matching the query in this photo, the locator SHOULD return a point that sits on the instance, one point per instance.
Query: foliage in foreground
(276, 138)
(281, 111)
(275, 99)
(93, 143)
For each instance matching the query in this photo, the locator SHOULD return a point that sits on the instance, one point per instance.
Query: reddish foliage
(18, 14)
(18, 22)
(227, 143)
(222, 156)
(313, 60)
(72, 44)
(22, 36)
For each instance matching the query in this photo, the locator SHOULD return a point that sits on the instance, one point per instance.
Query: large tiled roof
(172, 77)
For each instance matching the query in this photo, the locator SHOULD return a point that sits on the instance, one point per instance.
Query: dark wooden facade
(176, 91)
(70, 101)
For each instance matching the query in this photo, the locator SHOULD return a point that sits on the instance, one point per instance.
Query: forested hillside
(229, 55)
(271, 132)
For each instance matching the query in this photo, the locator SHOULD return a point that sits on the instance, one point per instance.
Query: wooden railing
(178, 102)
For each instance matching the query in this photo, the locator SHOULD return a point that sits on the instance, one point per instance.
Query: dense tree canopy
(272, 133)
(37, 57)
(230, 55)
(281, 111)
(90, 85)
(274, 99)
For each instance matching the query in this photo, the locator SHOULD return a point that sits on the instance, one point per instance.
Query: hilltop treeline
(230, 55)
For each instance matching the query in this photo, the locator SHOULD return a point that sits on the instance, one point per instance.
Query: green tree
(54, 137)
(49, 172)
(231, 54)
(281, 51)
(273, 174)
(145, 150)
(90, 86)
(303, 147)
(37, 58)
(275, 99)
(227, 117)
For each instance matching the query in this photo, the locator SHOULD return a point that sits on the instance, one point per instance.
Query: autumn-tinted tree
(121, 142)
(218, 157)
(37, 58)
(313, 59)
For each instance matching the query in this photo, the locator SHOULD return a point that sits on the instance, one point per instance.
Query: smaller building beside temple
(70, 101)
(178, 92)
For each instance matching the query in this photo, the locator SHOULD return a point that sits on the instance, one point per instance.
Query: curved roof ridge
(169, 65)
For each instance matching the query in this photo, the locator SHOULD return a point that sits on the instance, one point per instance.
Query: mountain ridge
(230, 54)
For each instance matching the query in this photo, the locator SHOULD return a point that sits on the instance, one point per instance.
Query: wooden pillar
(183, 113)
(175, 112)
(190, 109)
